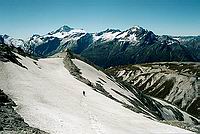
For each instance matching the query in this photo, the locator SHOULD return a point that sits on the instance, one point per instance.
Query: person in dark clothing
(83, 93)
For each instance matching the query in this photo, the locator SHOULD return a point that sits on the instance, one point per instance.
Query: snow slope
(97, 76)
(50, 98)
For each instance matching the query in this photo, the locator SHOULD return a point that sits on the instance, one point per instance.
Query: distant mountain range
(112, 47)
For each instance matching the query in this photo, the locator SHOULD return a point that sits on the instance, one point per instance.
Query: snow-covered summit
(129, 35)
(5, 36)
(107, 35)
(64, 34)
(12, 41)
(132, 35)
(135, 28)
(64, 31)
(64, 28)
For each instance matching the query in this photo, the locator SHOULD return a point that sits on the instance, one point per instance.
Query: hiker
(83, 93)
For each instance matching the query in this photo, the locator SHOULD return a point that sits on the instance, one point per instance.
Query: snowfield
(50, 98)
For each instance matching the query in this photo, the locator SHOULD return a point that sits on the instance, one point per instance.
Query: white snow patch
(105, 36)
(186, 116)
(64, 34)
(120, 73)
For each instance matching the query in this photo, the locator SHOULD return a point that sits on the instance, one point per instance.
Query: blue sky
(22, 18)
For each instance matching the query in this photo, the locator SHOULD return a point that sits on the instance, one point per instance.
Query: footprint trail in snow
(96, 125)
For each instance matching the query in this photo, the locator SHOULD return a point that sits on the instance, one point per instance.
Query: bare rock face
(1, 40)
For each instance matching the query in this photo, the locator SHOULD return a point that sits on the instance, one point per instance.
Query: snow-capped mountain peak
(107, 35)
(35, 36)
(12, 41)
(65, 31)
(129, 35)
(5, 36)
(67, 37)
(135, 28)
(132, 35)
(64, 28)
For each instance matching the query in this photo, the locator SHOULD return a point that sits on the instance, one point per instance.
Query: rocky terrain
(174, 82)
(10, 121)
(7, 54)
